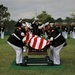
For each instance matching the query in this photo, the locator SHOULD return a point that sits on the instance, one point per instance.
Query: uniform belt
(16, 36)
(57, 36)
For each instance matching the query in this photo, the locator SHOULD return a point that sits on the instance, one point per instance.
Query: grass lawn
(7, 56)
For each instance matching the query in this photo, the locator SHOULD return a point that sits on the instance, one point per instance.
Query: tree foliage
(59, 20)
(5, 19)
(45, 17)
(9, 26)
(73, 17)
(4, 14)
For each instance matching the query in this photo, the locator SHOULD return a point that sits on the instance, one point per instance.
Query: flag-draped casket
(35, 41)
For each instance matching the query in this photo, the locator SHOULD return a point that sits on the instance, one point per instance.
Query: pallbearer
(15, 41)
(57, 43)
(35, 27)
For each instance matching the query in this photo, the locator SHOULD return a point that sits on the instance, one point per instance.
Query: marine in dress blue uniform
(35, 27)
(55, 36)
(15, 41)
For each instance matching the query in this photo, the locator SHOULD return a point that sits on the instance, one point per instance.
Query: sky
(31, 8)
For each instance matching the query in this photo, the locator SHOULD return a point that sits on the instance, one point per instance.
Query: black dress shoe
(55, 65)
(51, 63)
(20, 64)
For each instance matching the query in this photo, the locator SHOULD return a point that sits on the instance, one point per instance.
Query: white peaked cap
(20, 20)
(43, 25)
(23, 24)
(47, 23)
(28, 25)
(36, 19)
(51, 24)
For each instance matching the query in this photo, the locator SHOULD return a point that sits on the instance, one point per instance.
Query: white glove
(24, 49)
(51, 39)
(22, 34)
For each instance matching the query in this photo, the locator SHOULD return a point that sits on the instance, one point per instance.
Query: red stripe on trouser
(41, 43)
(35, 41)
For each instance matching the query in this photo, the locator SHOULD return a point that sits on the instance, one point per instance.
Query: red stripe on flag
(41, 43)
(35, 41)
(31, 38)
(33, 35)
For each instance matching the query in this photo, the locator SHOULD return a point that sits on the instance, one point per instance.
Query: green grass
(7, 56)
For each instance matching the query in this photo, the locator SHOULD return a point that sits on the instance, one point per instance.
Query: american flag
(35, 41)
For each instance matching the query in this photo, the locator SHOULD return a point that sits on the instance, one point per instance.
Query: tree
(45, 17)
(59, 20)
(4, 14)
(29, 20)
(73, 17)
(9, 26)
(68, 20)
